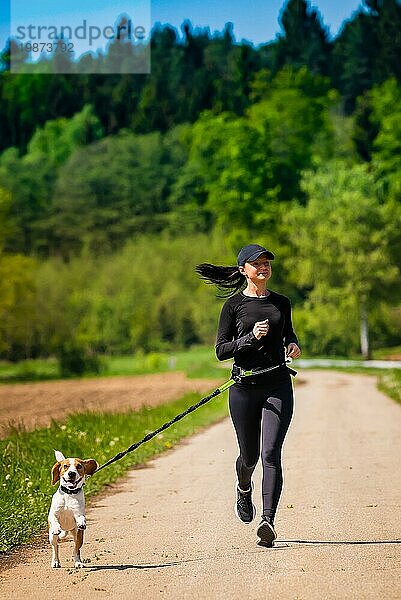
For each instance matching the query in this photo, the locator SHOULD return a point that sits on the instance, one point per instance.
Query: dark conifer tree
(388, 22)
(367, 50)
(304, 40)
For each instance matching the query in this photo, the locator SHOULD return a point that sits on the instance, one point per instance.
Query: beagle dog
(67, 510)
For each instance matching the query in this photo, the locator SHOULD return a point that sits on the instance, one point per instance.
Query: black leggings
(265, 408)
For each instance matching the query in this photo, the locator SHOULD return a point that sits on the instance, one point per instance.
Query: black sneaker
(243, 507)
(266, 533)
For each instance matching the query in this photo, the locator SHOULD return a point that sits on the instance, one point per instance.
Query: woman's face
(258, 270)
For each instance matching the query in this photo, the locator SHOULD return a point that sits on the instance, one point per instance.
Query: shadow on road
(337, 542)
(279, 545)
(139, 566)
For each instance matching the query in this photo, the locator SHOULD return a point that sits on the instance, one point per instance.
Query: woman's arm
(226, 345)
(289, 335)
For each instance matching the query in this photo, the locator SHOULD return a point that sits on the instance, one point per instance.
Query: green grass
(383, 353)
(390, 384)
(26, 458)
(196, 362)
(29, 370)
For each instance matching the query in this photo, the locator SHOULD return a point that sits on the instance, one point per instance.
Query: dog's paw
(56, 564)
(78, 564)
(55, 530)
(81, 523)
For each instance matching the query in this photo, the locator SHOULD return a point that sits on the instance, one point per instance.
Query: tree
(56, 141)
(17, 306)
(386, 153)
(364, 130)
(239, 168)
(305, 39)
(353, 59)
(346, 246)
(294, 122)
(112, 190)
(367, 50)
(386, 16)
(228, 173)
(6, 224)
(17, 292)
(30, 178)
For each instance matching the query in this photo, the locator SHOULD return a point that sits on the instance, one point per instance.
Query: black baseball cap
(252, 252)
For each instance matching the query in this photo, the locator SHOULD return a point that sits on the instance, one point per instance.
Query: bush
(156, 361)
(77, 360)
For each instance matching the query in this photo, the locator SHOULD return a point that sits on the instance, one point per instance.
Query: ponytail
(228, 279)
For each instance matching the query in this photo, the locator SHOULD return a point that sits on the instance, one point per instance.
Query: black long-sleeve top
(236, 339)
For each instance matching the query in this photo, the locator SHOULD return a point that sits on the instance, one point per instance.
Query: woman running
(255, 329)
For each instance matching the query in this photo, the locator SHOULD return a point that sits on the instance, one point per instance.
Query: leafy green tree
(111, 190)
(17, 293)
(144, 296)
(294, 121)
(364, 130)
(56, 141)
(377, 134)
(31, 178)
(186, 198)
(346, 245)
(6, 224)
(227, 167)
(386, 153)
(29, 181)
(28, 101)
(249, 164)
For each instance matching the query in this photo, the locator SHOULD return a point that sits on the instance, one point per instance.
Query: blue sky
(254, 20)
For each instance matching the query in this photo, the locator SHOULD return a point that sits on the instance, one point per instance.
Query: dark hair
(228, 279)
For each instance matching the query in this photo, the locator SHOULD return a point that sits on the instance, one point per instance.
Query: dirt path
(169, 530)
(35, 404)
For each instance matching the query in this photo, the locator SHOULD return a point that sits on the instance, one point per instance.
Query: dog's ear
(56, 473)
(59, 455)
(90, 466)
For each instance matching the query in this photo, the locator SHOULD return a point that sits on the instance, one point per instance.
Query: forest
(113, 188)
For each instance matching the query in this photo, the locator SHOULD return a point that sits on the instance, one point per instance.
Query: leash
(236, 378)
(239, 372)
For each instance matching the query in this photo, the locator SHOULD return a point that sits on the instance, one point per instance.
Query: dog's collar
(68, 491)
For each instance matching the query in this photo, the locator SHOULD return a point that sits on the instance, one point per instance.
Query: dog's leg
(54, 530)
(81, 521)
(79, 540)
(53, 538)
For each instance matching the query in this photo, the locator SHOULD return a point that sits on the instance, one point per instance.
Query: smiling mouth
(72, 483)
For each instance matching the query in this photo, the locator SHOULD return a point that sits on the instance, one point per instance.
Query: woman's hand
(293, 351)
(260, 328)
